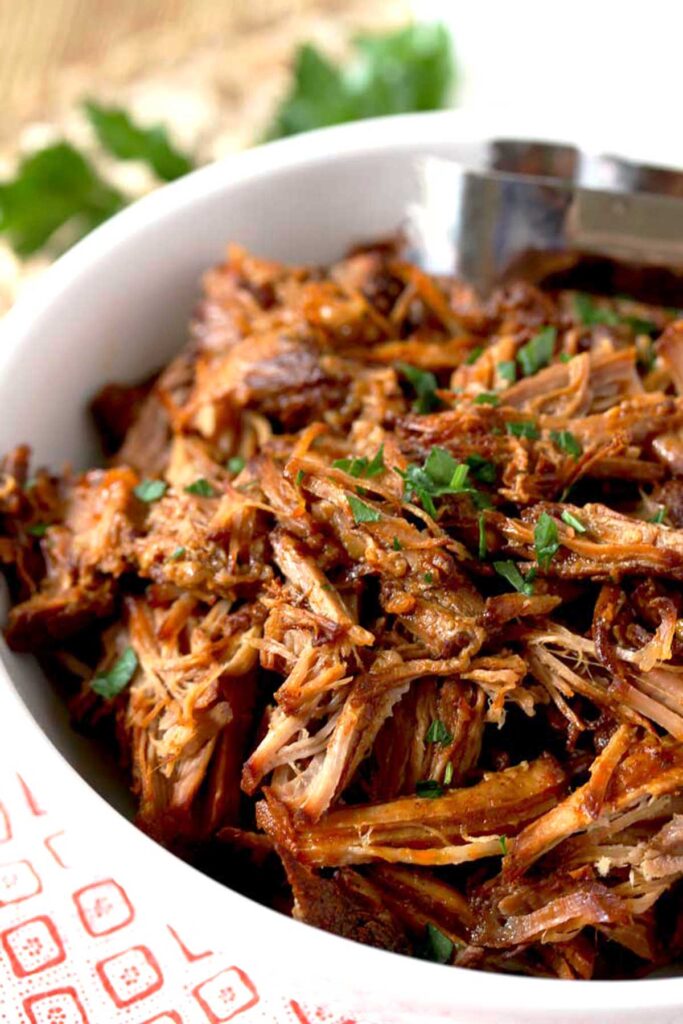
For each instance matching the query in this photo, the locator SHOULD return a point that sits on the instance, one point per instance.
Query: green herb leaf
(54, 188)
(235, 464)
(483, 546)
(428, 577)
(474, 355)
(487, 398)
(150, 490)
(589, 314)
(397, 544)
(483, 469)
(439, 475)
(361, 466)
(438, 733)
(177, 554)
(437, 946)
(564, 357)
(440, 466)
(509, 571)
(508, 370)
(503, 844)
(376, 464)
(120, 136)
(361, 512)
(572, 521)
(523, 428)
(37, 529)
(299, 478)
(546, 540)
(448, 774)
(660, 515)
(424, 384)
(430, 789)
(402, 71)
(110, 684)
(201, 487)
(537, 352)
(565, 440)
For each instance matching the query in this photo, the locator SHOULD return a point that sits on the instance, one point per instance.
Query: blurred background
(103, 100)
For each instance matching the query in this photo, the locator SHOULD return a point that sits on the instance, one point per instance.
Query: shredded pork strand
(379, 601)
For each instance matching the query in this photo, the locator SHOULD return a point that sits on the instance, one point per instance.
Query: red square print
(61, 1006)
(5, 827)
(33, 946)
(103, 907)
(18, 881)
(226, 995)
(130, 976)
(166, 1018)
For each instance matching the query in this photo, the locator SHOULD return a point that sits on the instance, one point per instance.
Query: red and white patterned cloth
(79, 943)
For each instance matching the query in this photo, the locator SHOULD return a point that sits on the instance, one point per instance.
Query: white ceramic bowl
(116, 307)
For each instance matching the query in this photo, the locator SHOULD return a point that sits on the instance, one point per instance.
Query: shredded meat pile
(379, 599)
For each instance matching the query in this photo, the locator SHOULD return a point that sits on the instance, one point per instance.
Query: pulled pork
(381, 592)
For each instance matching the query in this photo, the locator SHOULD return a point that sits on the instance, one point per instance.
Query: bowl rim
(412, 982)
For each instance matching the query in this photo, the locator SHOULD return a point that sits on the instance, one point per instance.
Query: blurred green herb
(56, 195)
(119, 135)
(406, 70)
(424, 383)
(54, 188)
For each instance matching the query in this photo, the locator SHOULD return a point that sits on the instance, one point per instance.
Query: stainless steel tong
(536, 209)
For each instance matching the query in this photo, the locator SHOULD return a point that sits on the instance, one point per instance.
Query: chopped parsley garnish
(546, 540)
(572, 521)
(503, 844)
(110, 684)
(150, 490)
(235, 465)
(660, 515)
(509, 571)
(299, 478)
(361, 512)
(119, 135)
(397, 544)
(436, 946)
(440, 474)
(537, 352)
(523, 428)
(428, 577)
(438, 733)
(201, 487)
(448, 774)
(483, 546)
(428, 788)
(487, 398)
(589, 314)
(483, 469)
(474, 355)
(362, 466)
(508, 370)
(177, 554)
(567, 442)
(564, 357)
(424, 384)
(38, 529)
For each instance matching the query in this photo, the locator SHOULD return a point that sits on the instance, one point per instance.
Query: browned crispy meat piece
(382, 581)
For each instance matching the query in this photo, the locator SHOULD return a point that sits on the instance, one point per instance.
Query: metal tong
(541, 210)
